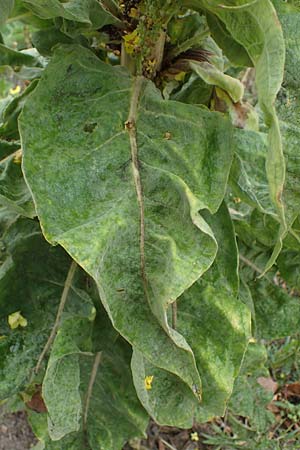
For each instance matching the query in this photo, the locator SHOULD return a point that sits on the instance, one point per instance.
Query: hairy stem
(250, 264)
(60, 310)
(159, 50)
(97, 361)
(131, 128)
(174, 315)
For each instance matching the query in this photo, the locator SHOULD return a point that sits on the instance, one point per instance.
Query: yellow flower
(131, 42)
(18, 157)
(16, 320)
(148, 382)
(16, 90)
(180, 76)
(194, 436)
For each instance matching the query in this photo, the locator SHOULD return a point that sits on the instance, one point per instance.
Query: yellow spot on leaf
(16, 90)
(16, 320)
(148, 382)
(194, 436)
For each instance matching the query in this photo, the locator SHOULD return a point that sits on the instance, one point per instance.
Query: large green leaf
(249, 398)
(232, 49)
(288, 110)
(32, 276)
(88, 12)
(92, 395)
(248, 176)
(259, 31)
(217, 325)
(277, 313)
(77, 162)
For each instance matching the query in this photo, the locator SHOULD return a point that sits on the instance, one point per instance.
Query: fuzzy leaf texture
(90, 207)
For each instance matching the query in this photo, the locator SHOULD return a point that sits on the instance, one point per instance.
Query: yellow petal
(16, 319)
(16, 90)
(194, 436)
(18, 157)
(148, 382)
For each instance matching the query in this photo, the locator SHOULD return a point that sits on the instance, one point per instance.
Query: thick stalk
(60, 310)
(97, 361)
(131, 128)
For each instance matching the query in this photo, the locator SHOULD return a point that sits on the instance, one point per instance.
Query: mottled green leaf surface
(5, 9)
(76, 401)
(84, 11)
(9, 113)
(31, 281)
(277, 312)
(248, 176)
(14, 193)
(89, 396)
(79, 146)
(259, 31)
(217, 325)
(288, 111)
(249, 398)
(211, 75)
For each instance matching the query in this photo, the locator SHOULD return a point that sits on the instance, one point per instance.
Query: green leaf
(232, 49)
(217, 325)
(44, 40)
(211, 75)
(89, 204)
(10, 57)
(249, 398)
(194, 91)
(10, 113)
(288, 110)
(6, 7)
(276, 311)
(258, 30)
(14, 193)
(248, 178)
(32, 275)
(91, 394)
(84, 11)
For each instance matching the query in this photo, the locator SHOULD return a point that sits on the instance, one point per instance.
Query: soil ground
(15, 433)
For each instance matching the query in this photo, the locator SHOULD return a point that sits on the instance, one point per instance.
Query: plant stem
(97, 361)
(167, 444)
(62, 303)
(131, 128)
(174, 315)
(245, 5)
(250, 264)
(20, 17)
(127, 61)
